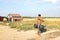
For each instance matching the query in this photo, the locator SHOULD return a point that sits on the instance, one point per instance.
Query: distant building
(3, 18)
(14, 17)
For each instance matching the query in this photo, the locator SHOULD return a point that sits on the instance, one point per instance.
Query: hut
(14, 17)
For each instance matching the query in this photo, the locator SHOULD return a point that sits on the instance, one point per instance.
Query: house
(14, 17)
(3, 18)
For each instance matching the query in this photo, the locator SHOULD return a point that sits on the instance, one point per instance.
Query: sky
(47, 8)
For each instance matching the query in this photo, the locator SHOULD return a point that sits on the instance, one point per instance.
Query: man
(39, 20)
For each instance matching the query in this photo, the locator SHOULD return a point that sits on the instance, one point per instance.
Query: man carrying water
(39, 20)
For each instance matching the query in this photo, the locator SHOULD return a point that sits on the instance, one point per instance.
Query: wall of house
(16, 19)
(1, 19)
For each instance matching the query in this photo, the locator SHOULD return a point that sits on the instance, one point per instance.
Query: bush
(21, 26)
(26, 27)
(13, 26)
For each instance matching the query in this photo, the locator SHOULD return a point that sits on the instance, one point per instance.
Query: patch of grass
(3, 23)
(26, 27)
(22, 26)
(56, 26)
(27, 24)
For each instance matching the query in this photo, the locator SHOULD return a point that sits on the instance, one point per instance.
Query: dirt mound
(50, 35)
(7, 33)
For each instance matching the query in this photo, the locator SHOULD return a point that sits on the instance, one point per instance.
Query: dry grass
(52, 23)
(28, 23)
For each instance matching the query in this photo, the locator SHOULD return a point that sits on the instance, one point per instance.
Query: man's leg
(38, 33)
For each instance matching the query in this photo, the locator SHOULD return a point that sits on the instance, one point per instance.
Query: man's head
(39, 14)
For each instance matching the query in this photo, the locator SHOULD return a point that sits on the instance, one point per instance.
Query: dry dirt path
(7, 33)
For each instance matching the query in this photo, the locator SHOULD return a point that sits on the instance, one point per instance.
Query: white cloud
(33, 1)
(7, 1)
(41, 1)
(52, 1)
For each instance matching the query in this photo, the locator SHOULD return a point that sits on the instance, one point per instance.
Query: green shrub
(21, 26)
(13, 26)
(26, 27)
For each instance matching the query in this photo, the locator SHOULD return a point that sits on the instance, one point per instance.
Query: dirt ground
(7, 33)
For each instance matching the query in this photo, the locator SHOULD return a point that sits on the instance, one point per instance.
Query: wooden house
(14, 17)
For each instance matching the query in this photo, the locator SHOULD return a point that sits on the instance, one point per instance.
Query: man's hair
(39, 14)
